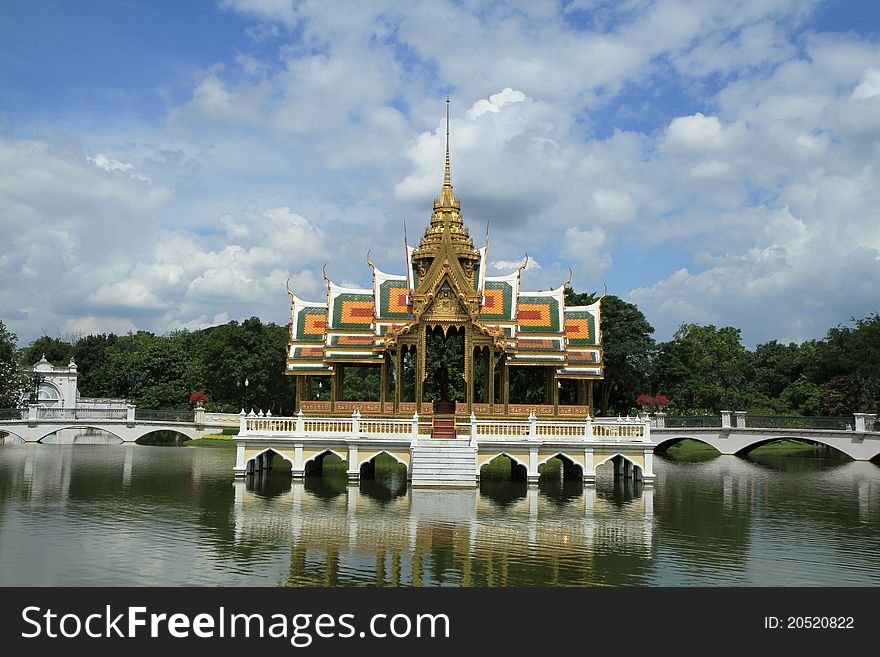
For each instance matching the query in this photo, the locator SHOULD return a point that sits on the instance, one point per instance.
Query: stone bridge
(127, 425)
(859, 442)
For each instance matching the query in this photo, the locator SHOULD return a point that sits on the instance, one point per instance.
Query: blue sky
(170, 165)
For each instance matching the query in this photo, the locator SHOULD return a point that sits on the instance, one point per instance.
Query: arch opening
(162, 438)
(327, 463)
(794, 446)
(383, 477)
(686, 449)
(560, 467)
(382, 465)
(8, 438)
(503, 467)
(81, 436)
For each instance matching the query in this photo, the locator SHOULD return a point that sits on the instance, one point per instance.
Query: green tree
(94, 376)
(852, 354)
(57, 351)
(704, 369)
(444, 365)
(12, 382)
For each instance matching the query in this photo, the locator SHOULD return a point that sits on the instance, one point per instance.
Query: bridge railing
(259, 425)
(48, 414)
(693, 421)
(600, 430)
(13, 414)
(743, 420)
(841, 423)
(148, 415)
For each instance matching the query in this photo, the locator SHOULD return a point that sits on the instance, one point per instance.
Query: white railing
(300, 426)
(605, 430)
(494, 429)
(386, 426)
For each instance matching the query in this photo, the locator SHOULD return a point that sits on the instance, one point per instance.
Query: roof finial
(447, 178)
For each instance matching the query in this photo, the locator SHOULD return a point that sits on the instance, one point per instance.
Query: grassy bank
(224, 439)
(212, 441)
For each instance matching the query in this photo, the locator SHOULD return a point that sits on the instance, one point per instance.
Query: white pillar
(647, 437)
(129, 414)
(725, 419)
(415, 426)
(33, 410)
(239, 469)
(199, 416)
(740, 419)
(532, 474)
(588, 428)
(300, 424)
(533, 426)
(660, 418)
(356, 422)
(297, 470)
(473, 430)
(353, 469)
(242, 423)
(860, 421)
(589, 467)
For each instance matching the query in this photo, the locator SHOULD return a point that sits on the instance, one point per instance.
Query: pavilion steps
(445, 463)
(443, 428)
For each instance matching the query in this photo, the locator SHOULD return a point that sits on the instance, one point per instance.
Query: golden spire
(447, 178)
(447, 198)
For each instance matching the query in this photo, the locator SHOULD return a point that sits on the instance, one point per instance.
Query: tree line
(701, 370)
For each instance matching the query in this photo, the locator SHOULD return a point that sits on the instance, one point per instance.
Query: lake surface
(114, 515)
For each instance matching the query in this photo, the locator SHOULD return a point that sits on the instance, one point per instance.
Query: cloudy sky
(170, 165)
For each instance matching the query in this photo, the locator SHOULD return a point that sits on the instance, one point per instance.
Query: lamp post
(246, 384)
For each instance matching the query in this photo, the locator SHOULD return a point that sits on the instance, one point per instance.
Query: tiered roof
(445, 283)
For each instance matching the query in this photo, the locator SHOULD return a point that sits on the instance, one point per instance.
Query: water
(148, 516)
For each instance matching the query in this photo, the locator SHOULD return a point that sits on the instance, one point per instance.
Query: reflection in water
(497, 536)
(134, 515)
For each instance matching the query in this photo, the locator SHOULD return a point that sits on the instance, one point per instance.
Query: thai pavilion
(445, 294)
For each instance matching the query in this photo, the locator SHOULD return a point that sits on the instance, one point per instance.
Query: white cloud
(588, 250)
(495, 102)
(716, 150)
(507, 266)
(869, 85)
(698, 133)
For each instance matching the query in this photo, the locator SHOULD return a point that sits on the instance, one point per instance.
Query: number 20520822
(809, 622)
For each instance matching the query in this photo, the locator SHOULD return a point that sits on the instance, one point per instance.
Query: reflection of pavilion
(429, 536)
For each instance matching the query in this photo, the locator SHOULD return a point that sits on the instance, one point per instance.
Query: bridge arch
(518, 467)
(252, 461)
(144, 438)
(760, 442)
(77, 427)
(314, 464)
(666, 443)
(11, 438)
(637, 467)
(373, 455)
(571, 469)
